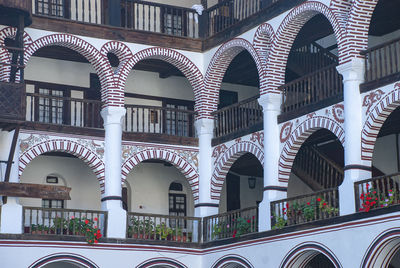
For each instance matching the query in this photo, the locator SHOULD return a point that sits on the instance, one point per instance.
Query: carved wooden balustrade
(156, 227)
(57, 221)
(230, 224)
(382, 63)
(378, 192)
(305, 208)
(311, 92)
(238, 117)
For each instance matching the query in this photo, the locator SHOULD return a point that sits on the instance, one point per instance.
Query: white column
(111, 201)
(273, 190)
(355, 169)
(205, 206)
(11, 213)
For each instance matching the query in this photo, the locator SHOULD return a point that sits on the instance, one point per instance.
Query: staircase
(317, 170)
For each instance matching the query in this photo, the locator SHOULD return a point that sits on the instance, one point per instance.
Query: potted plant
(59, 225)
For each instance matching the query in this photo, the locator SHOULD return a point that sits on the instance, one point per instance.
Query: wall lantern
(252, 182)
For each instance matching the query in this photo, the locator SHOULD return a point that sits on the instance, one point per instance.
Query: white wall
(149, 183)
(72, 172)
(248, 197)
(384, 157)
(297, 187)
(139, 82)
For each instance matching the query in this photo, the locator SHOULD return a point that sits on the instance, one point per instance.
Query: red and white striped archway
(225, 162)
(187, 169)
(90, 157)
(298, 136)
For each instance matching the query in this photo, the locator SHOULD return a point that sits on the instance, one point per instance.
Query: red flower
(319, 199)
(324, 204)
(96, 219)
(287, 205)
(233, 235)
(86, 221)
(248, 221)
(98, 231)
(95, 241)
(390, 190)
(374, 192)
(308, 203)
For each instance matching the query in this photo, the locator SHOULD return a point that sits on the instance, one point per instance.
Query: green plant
(280, 222)
(243, 226)
(59, 223)
(218, 229)
(163, 230)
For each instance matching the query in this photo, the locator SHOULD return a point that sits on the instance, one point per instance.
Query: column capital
(270, 102)
(113, 115)
(204, 126)
(352, 70)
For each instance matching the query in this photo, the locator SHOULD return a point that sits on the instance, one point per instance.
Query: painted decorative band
(111, 197)
(206, 205)
(362, 167)
(276, 188)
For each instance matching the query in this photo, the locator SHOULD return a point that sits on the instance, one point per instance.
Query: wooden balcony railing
(49, 109)
(131, 14)
(305, 208)
(161, 120)
(163, 227)
(378, 192)
(230, 224)
(382, 62)
(63, 111)
(239, 116)
(323, 87)
(229, 12)
(47, 221)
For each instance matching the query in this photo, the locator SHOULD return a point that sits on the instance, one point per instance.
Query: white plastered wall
(149, 185)
(72, 172)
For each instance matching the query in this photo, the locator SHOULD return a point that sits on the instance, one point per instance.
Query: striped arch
(232, 261)
(342, 9)
(97, 60)
(172, 157)
(79, 260)
(382, 249)
(286, 34)
(5, 57)
(68, 146)
(375, 120)
(124, 54)
(161, 262)
(302, 254)
(262, 41)
(226, 161)
(357, 28)
(217, 68)
(298, 136)
(180, 61)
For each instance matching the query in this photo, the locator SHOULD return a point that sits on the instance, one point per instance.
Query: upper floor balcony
(173, 24)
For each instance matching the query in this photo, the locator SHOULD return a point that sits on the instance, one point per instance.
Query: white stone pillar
(112, 199)
(355, 169)
(273, 190)
(11, 212)
(205, 131)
